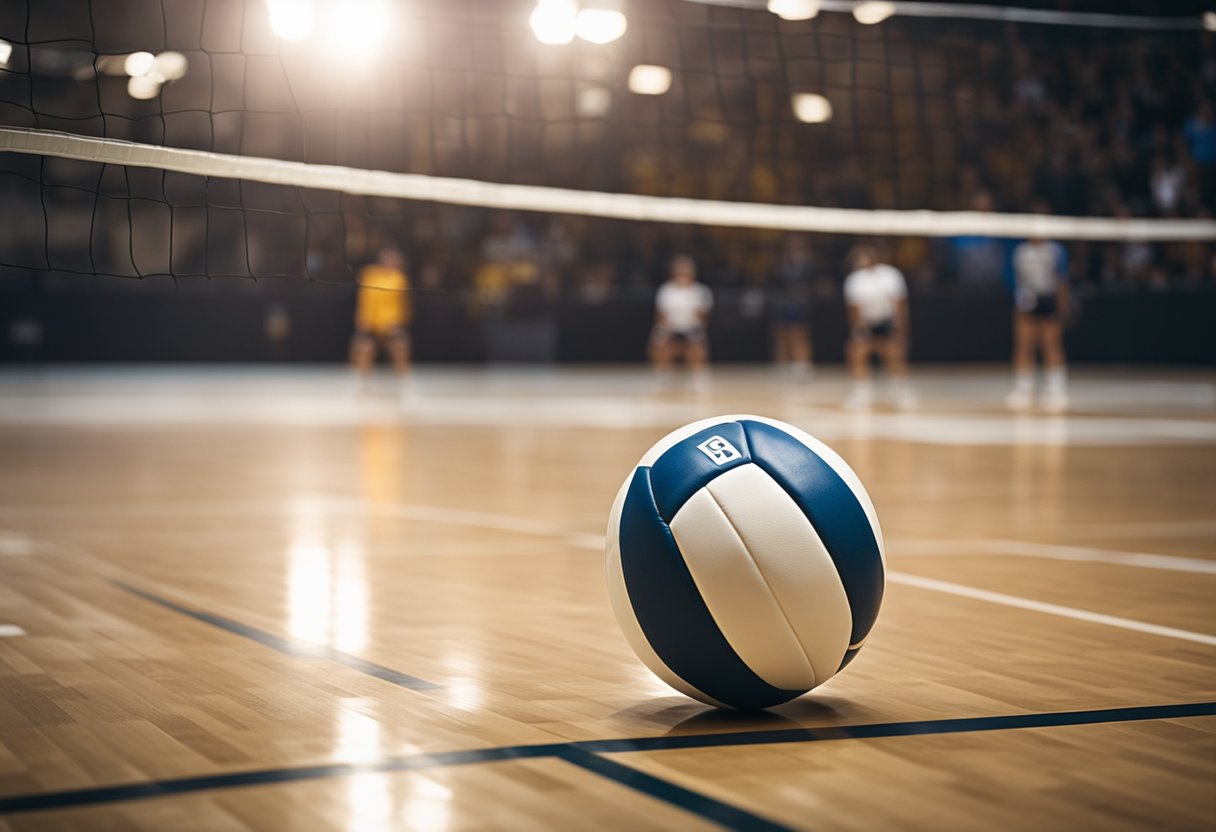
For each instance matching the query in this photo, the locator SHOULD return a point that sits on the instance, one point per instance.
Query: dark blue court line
(290, 647)
(901, 729)
(698, 804)
(158, 788)
(185, 785)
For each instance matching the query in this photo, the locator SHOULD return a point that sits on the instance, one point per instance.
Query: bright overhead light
(811, 108)
(1209, 21)
(290, 19)
(553, 21)
(600, 25)
(169, 65)
(873, 11)
(794, 9)
(594, 101)
(6, 53)
(356, 27)
(142, 87)
(647, 79)
(138, 64)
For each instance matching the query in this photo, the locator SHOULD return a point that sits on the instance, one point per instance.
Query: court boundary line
(929, 547)
(295, 648)
(1018, 602)
(706, 807)
(578, 750)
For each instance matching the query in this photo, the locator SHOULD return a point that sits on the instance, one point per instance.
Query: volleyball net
(587, 142)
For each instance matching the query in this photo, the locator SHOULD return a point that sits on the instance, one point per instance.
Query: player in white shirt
(877, 300)
(682, 309)
(1040, 300)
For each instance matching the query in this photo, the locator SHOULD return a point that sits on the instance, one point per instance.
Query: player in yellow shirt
(382, 314)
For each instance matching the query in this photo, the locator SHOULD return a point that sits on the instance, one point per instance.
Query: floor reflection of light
(358, 738)
(464, 694)
(350, 620)
(655, 686)
(464, 689)
(427, 806)
(369, 802)
(369, 797)
(309, 591)
(328, 593)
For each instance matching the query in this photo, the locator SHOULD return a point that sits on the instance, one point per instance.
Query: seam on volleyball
(815, 529)
(853, 480)
(769, 587)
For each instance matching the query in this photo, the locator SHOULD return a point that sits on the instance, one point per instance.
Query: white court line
(593, 541)
(588, 541)
(448, 516)
(1050, 609)
(10, 631)
(1050, 551)
(201, 508)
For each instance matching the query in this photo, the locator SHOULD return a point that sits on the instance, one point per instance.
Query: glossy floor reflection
(299, 555)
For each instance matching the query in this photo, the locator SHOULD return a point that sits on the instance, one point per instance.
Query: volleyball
(745, 561)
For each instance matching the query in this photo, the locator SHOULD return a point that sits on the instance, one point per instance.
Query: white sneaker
(1055, 401)
(860, 400)
(1018, 400)
(903, 399)
(802, 372)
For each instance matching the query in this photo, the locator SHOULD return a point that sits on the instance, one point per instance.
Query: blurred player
(682, 309)
(792, 311)
(1040, 301)
(877, 300)
(382, 315)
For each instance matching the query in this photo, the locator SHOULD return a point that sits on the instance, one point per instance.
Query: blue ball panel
(848, 657)
(834, 511)
(672, 613)
(684, 469)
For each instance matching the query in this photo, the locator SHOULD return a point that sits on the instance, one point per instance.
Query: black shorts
(791, 312)
(880, 329)
(1039, 306)
(696, 335)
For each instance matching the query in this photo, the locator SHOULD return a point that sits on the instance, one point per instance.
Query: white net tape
(596, 203)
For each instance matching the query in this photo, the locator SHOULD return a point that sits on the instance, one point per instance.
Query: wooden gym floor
(253, 600)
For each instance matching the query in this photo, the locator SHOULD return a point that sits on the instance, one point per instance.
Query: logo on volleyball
(719, 450)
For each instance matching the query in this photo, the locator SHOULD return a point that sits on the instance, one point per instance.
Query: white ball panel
(680, 434)
(838, 465)
(737, 594)
(618, 596)
(793, 560)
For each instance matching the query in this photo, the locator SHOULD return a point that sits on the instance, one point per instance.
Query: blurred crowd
(982, 117)
(1031, 121)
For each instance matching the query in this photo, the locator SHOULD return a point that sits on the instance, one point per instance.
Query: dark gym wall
(228, 322)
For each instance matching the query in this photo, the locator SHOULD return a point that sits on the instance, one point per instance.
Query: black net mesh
(941, 114)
